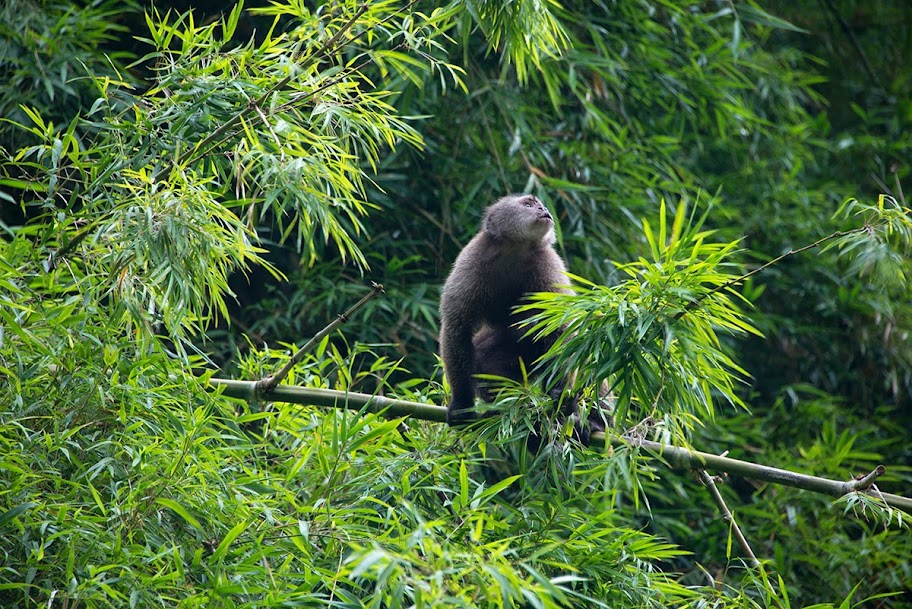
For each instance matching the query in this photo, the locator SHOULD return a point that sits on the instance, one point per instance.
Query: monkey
(511, 256)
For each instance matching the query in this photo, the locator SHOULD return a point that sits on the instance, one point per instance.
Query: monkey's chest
(503, 293)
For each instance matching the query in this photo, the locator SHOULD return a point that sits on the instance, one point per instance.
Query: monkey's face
(533, 217)
(520, 218)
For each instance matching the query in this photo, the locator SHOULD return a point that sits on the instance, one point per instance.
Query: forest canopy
(197, 195)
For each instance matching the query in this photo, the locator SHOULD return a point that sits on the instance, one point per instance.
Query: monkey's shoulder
(490, 253)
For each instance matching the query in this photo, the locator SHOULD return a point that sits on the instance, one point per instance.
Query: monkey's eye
(527, 202)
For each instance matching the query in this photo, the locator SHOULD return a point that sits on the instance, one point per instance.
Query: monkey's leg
(461, 407)
(458, 361)
(460, 315)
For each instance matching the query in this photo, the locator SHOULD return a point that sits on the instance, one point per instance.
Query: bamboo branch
(847, 30)
(863, 483)
(328, 398)
(229, 125)
(270, 382)
(674, 456)
(328, 47)
(710, 483)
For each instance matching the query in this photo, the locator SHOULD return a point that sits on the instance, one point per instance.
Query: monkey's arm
(458, 364)
(461, 312)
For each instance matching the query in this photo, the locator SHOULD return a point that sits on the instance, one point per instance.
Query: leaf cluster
(654, 336)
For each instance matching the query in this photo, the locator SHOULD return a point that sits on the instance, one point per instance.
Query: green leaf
(225, 545)
(13, 512)
(181, 511)
(754, 14)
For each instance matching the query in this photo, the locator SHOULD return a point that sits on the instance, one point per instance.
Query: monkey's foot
(582, 432)
(460, 417)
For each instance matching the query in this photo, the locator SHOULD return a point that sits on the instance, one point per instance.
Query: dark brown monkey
(511, 256)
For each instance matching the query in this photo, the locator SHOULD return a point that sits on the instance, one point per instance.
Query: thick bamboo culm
(674, 456)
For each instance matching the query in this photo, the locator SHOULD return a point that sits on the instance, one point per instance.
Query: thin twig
(330, 83)
(389, 17)
(854, 40)
(710, 483)
(270, 382)
(287, 105)
(695, 303)
(227, 128)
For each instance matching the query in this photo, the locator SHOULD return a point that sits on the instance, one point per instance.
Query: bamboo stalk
(674, 456)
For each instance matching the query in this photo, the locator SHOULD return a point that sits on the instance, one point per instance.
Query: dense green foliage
(184, 194)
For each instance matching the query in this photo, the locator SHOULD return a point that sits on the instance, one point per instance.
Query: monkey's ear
(489, 224)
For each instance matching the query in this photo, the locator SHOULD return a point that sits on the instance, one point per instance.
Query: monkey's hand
(581, 430)
(460, 415)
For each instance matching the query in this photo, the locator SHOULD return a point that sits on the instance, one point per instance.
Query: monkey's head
(519, 218)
